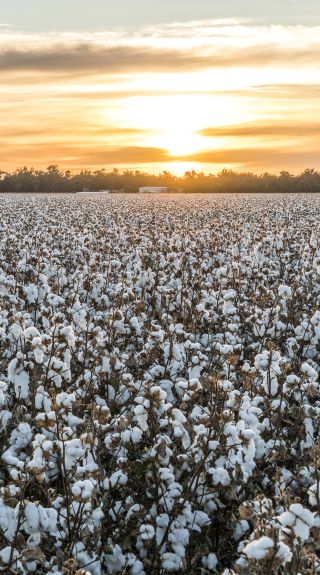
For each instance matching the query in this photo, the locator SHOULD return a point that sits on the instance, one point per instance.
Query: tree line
(54, 180)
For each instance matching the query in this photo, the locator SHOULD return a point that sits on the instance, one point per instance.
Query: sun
(174, 122)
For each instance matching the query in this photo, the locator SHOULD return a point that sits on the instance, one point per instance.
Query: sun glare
(174, 122)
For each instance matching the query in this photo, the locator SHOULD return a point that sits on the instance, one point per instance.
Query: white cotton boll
(21, 436)
(38, 355)
(316, 265)
(270, 384)
(54, 300)
(229, 308)
(309, 371)
(48, 519)
(166, 475)
(137, 568)
(20, 379)
(220, 476)
(135, 565)
(131, 435)
(200, 518)
(32, 517)
(83, 489)
(259, 548)
(3, 389)
(66, 399)
(9, 555)
(171, 562)
(73, 420)
(261, 360)
(314, 494)
(300, 519)
(31, 332)
(134, 322)
(115, 560)
(179, 539)
(284, 553)
(210, 561)
(116, 479)
(162, 520)
(68, 333)
(147, 532)
(8, 521)
(73, 450)
(240, 529)
(31, 292)
(284, 291)
(315, 320)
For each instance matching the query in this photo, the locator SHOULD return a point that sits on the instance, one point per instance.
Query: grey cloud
(98, 59)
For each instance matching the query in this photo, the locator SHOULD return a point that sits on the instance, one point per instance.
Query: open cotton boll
(300, 519)
(68, 333)
(147, 532)
(284, 291)
(309, 371)
(220, 476)
(83, 490)
(210, 561)
(314, 494)
(171, 562)
(32, 518)
(19, 377)
(259, 548)
(31, 332)
(54, 300)
(3, 389)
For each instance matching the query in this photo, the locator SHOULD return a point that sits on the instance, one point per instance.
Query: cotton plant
(159, 389)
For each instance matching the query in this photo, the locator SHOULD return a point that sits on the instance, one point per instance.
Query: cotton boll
(32, 518)
(220, 476)
(210, 561)
(147, 532)
(20, 379)
(300, 519)
(3, 389)
(314, 494)
(171, 562)
(259, 548)
(284, 291)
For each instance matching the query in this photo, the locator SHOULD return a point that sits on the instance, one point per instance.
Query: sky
(172, 85)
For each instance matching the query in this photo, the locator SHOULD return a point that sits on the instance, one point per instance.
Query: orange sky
(197, 95)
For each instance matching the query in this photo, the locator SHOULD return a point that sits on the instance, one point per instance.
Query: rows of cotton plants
(159, 395)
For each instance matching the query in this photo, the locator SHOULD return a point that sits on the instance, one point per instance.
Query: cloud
(256, 158)
(91, 60)
(87, 154)
(179, 48)
(95, 156)
(257, 130)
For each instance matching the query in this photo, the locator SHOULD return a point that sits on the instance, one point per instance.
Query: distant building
(104, 191)
(153, 189)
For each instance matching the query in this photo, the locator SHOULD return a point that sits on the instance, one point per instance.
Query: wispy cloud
(258, 129)
(256, 158)
(176, 48)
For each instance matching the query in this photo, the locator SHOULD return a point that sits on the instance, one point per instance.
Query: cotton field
(159, 395)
